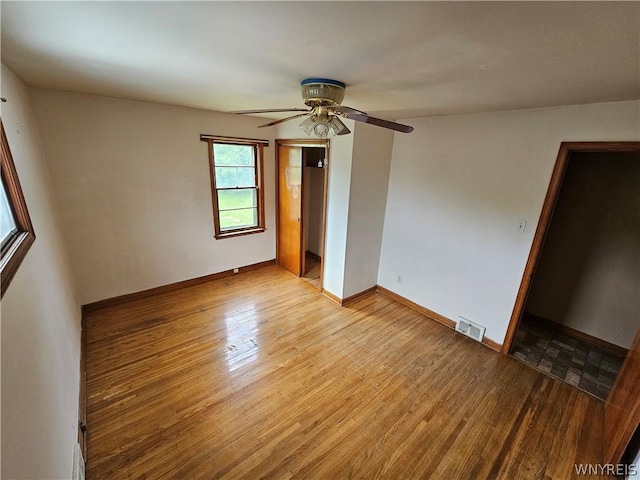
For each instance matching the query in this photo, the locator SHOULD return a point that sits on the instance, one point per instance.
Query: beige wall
(132, 180)
(457, 188)
(306, 205)
(40, 319)
(587, 277)
(315, 177)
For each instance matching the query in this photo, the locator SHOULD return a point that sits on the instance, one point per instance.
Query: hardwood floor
(260, 376)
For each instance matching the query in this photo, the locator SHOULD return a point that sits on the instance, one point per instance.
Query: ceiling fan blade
(345, 109)
(271, 110)
(276, 122)
(398, 127)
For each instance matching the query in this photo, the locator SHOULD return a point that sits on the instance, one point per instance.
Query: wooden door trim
(288, 142)
(553, 191)
(617, 440)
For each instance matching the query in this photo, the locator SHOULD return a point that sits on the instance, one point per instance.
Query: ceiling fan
(323, 96)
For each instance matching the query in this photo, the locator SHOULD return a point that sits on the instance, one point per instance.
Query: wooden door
(622, 410)
(289, 231)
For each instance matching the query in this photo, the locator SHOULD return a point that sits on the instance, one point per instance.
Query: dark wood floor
(260, 376)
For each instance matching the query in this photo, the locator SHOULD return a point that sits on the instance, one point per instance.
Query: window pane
(238, 208)
(7, 222)
(233, 154)
(230, 219)
(235, 177)
(233, 199)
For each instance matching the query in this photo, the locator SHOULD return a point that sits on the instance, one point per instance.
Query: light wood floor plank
(260, 376)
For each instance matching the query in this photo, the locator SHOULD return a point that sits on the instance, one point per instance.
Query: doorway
(622, 407)
(580, 316)
(314, 161)
(301, 192)
(565, 152)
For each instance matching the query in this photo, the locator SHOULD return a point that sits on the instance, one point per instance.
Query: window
(15, 225)
(236, 181)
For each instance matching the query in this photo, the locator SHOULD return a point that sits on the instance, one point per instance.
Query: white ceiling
(398, 59)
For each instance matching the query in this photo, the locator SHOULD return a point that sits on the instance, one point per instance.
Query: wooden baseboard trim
(492, 344)
(447, 322)
(418, 308)
(331, 296)
(595, 341)
(359, 295)
(344, 301)
(313, 255)
(89, 307)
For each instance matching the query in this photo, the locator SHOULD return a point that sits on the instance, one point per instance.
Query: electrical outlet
(521, 225)
(236, 270)
(399, 279)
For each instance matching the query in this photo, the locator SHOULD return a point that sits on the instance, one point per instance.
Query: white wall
(587, 277)
(367, 202)
(459, 183)
(315, 190)
(40, 319)
(132, 180)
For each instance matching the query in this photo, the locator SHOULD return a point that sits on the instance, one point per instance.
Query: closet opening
(302, 173)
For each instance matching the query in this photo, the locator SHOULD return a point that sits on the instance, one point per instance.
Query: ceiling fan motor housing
(322, 92)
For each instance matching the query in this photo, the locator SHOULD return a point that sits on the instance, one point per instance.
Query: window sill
(238, 233)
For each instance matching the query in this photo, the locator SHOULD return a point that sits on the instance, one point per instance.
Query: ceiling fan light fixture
(307, 125)
(318, 125)
(321, 127)
(337, 127)
(321, 130)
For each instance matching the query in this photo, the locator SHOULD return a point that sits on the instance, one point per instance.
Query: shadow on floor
(312, 269)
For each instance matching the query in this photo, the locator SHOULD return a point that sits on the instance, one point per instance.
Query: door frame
(305, 143)
(622, 408)
(553, 191)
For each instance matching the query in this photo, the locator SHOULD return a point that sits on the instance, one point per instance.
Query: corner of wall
(40, 319)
